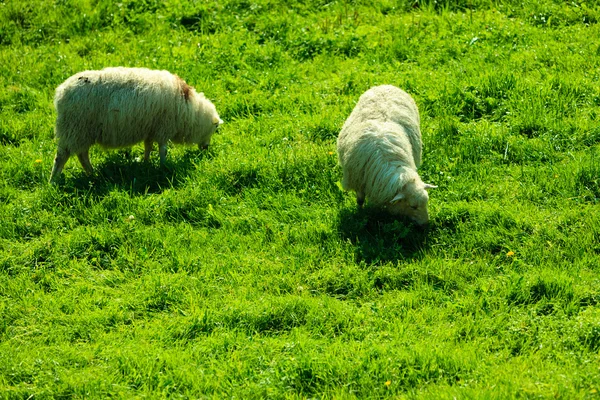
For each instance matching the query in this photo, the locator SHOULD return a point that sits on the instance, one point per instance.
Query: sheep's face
(411, 202)
(206, 122)
(215, 123)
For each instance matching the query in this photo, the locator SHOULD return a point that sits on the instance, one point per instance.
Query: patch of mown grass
(244, 271)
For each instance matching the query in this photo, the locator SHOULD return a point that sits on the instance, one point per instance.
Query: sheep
(119, 107)
(379, 149)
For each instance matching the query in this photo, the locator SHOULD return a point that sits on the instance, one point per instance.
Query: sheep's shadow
(119, 169)
(379, 237)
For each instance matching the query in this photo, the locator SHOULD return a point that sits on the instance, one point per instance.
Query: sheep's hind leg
(147, 149)
(84, 159)
(60, 160)
(162, 151)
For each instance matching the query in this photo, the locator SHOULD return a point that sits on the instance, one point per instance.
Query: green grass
(245, 272)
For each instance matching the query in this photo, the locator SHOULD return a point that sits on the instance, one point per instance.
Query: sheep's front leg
(84, 159)
(147, 149)
(162, 151)
(60, 160)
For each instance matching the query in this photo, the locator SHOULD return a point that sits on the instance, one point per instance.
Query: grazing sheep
(119, 107)
(379, 149)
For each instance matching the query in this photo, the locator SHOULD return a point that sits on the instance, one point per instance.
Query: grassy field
(244, 271)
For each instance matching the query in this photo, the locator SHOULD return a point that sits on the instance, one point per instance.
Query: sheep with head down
(379, 150)
(119, 107)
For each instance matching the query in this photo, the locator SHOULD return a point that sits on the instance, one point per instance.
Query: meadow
(245, 271)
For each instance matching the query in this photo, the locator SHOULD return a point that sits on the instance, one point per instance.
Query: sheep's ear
(429, 186)
(398, 197)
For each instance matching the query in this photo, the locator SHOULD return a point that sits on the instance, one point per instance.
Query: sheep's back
(119, 106)
(388, 103)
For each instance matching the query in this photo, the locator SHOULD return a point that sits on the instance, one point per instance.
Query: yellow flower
(130, 218)
(388, 383)
(38, 161)
(510, 254)
(331, 153)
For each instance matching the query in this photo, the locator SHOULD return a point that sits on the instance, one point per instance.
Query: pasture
(244, 271)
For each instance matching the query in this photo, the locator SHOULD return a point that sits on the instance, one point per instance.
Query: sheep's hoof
(360, 201)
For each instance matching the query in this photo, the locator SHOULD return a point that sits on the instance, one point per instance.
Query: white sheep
(379, 150)
(119, 107)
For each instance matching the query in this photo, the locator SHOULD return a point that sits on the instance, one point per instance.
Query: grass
(244, 271)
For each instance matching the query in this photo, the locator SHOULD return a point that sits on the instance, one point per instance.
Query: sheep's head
(207, 121)
(216, 122)
(411, 201)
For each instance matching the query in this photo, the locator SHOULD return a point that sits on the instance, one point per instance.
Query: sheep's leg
(162, 151)
(202, 146)
(60, 160)
(147, 149)
(84, 159)
(360, 199)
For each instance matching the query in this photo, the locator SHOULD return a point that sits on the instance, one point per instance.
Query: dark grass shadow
(379, 237)
(121, 170)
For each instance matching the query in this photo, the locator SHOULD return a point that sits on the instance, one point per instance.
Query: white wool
(119, 107)
(379, 149)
